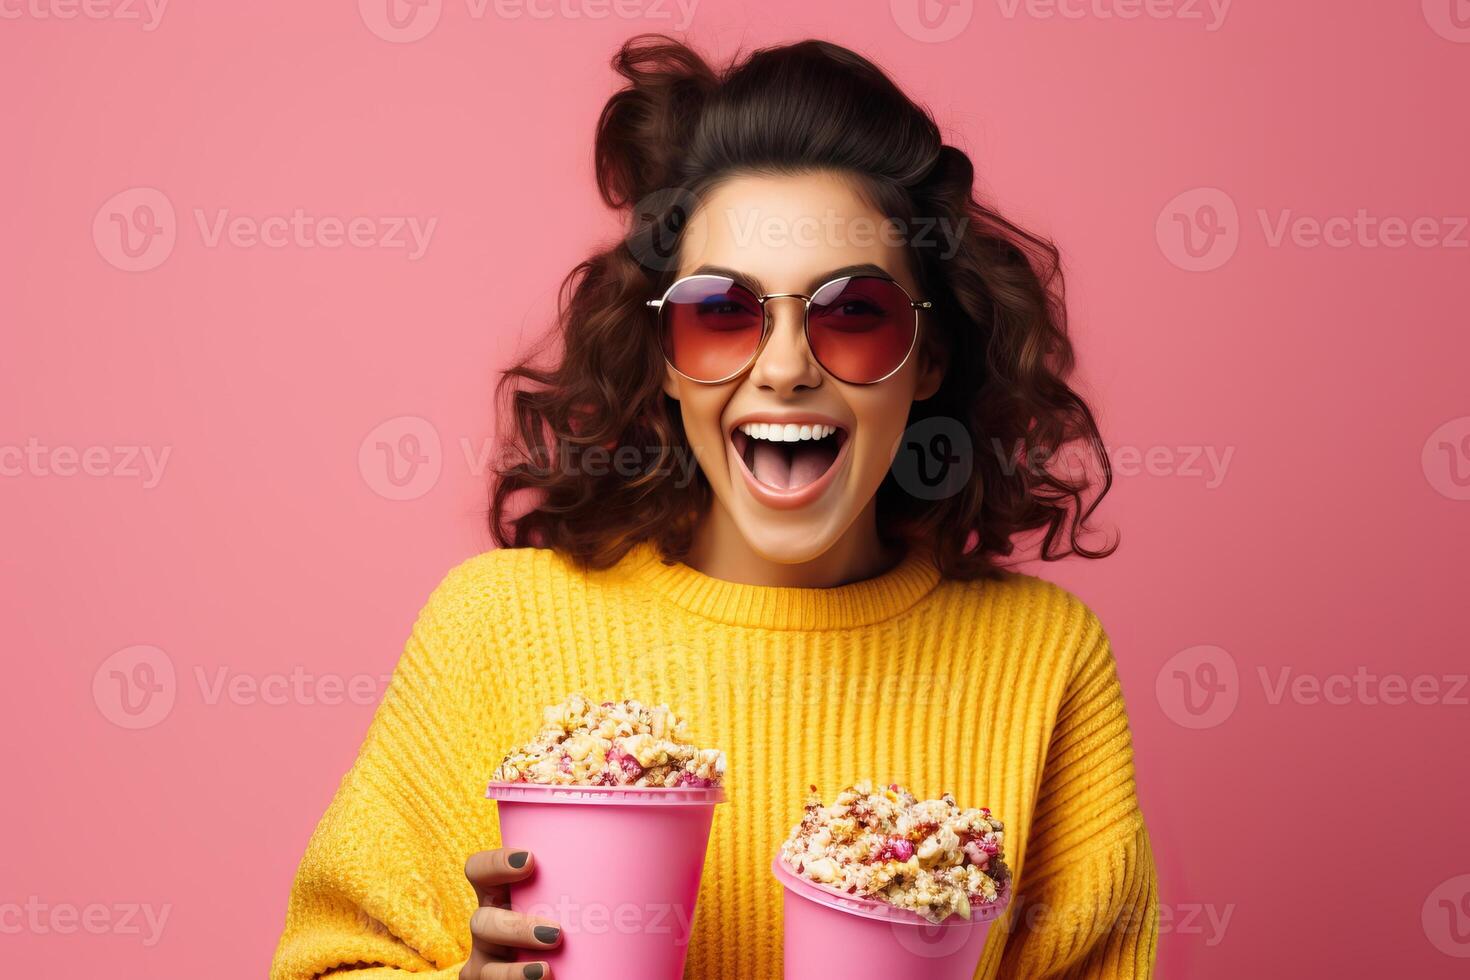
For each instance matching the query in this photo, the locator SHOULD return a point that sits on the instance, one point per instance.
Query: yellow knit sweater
(1001, 692)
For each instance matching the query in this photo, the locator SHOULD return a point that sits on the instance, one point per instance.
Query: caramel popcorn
(612, 743)
(929, 857)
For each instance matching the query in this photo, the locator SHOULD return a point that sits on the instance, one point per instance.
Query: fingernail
(533, 971)
(518, 859)
(546, 934)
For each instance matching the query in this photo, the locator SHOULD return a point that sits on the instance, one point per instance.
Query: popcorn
(612, 743)
(929, 857)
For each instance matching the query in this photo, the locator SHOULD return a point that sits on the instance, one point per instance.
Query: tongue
(789, 466)
(809, 462)
(771, 465)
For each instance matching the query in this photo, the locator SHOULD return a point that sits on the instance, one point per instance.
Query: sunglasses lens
(861, 328)
(710, 327)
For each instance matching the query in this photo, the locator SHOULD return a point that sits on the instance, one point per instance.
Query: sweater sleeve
(381, 890)
(1087, 905)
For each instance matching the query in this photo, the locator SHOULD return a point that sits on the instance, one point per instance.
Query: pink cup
(833, 934)
(616, 866)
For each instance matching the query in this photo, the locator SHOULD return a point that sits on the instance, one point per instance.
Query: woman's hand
(496, 931)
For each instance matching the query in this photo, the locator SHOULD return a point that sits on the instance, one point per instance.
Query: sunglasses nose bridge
(797, 312)
(785, 359)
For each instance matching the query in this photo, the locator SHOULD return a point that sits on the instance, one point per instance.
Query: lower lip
(788, 499)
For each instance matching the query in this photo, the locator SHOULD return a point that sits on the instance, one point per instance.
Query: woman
(808, 280)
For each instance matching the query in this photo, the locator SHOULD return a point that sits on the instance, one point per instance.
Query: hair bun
(951, 175)
(646, 123)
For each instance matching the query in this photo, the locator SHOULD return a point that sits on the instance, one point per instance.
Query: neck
(720, 551)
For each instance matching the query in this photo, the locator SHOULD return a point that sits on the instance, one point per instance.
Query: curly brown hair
(671, 134)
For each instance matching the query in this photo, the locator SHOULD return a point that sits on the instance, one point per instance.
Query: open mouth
(790, 456)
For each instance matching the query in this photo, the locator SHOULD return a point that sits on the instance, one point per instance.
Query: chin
(788, 538)
(793, 546)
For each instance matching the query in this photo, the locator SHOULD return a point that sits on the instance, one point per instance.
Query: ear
(671, 383)
(931, 374)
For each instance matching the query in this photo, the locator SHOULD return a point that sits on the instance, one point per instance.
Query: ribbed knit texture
(1002, 692)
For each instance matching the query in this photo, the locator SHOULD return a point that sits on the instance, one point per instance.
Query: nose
(786, 365)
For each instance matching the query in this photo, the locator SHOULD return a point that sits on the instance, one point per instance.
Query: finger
(502, 927)
(516, 971)
(490, 871)
(498, 867)
(480, 955)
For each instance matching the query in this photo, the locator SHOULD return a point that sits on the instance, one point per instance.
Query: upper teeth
(791, 432)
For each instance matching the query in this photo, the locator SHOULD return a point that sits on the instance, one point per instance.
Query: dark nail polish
(546, 934)
(518, 859)
(533, 971)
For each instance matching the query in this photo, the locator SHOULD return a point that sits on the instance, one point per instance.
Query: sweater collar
(780, 607)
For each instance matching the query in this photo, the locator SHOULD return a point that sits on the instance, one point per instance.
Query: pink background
(272, 553)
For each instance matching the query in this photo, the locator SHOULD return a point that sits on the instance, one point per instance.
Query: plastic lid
(875, 909)
(606, 795)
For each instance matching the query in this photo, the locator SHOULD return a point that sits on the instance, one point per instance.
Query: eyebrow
(756, 286)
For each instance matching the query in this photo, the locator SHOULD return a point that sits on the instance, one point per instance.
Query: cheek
(881, 420)
(701, 408)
